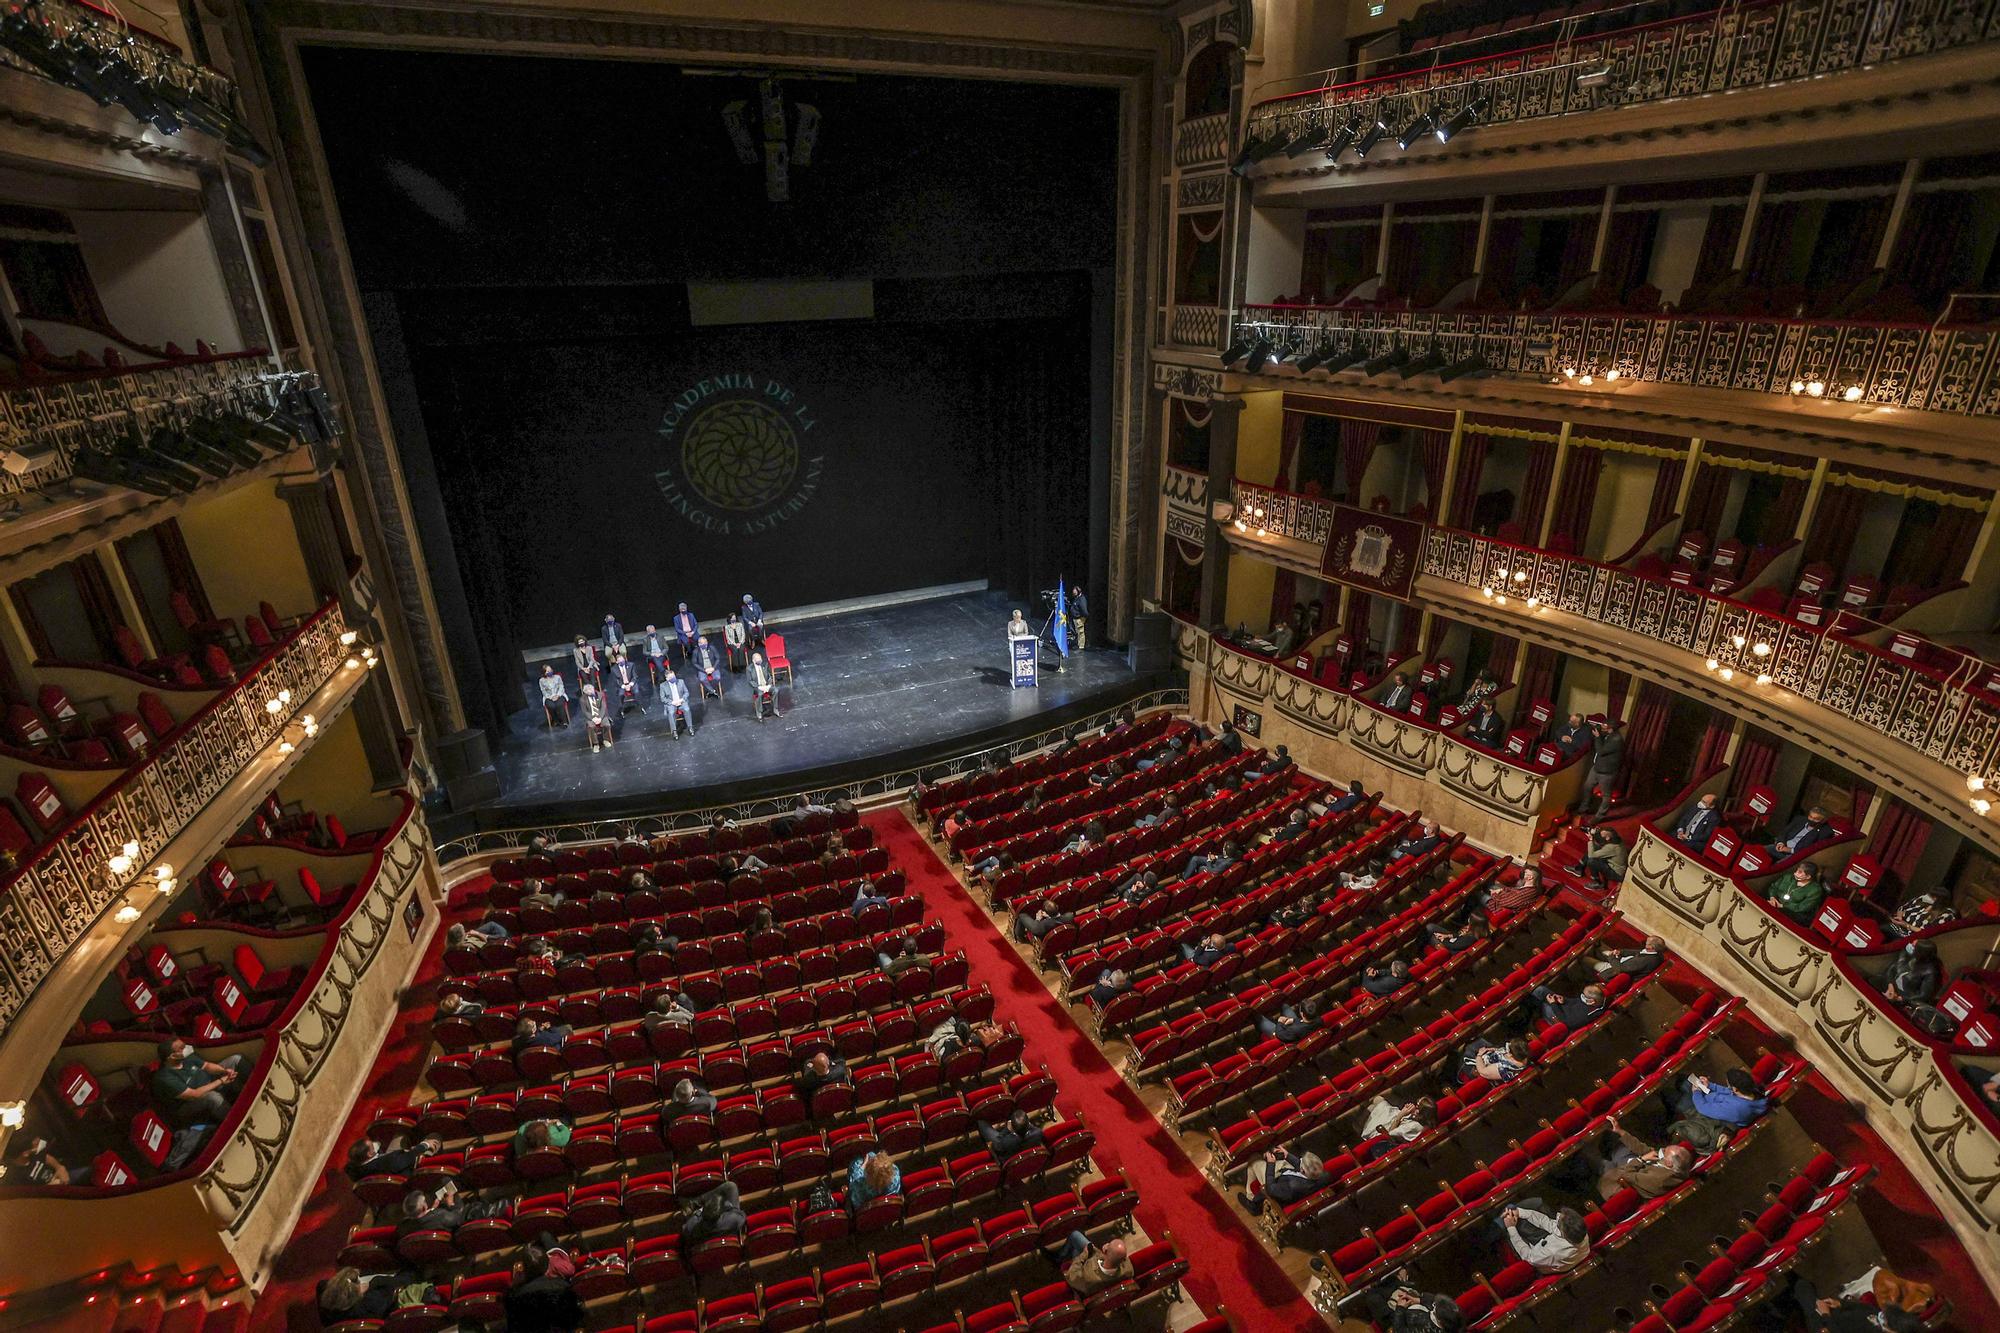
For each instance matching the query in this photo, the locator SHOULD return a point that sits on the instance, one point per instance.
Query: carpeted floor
(1230, 1266)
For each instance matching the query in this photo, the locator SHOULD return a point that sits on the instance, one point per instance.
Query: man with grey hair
(1650, 1171)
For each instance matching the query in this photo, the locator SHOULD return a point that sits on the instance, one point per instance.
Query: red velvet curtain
(1831, 536)
(1576, 498)
(1643, 737)
(1472, 447)
(181, 569)
(1781, 517)
(1666, 490)
(1714, 744)
(1940, 557)
(1284, 592)
(1538, 680)
(1500, 658)
(1705, 499)
(1899, 839)
(1360, 611)
(1614, 703)
(1756, 758)
(1433, 452)
(1357, 448)
(1534, 501)
(1288, 449)
(93, 589)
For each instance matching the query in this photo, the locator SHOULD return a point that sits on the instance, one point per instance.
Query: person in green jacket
(541, 1134)
(1799, 894)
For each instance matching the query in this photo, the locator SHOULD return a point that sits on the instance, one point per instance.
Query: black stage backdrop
(799, 462)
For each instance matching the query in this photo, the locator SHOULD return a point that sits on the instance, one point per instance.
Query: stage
(870, 689)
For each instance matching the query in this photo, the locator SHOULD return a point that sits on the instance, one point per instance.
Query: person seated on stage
(866, 897)
(1110, 984)
(905, 958)
(687, 629)
(675, 696)
(687, 1097)
(1017, 628)
(596, 718)
(655, 648)
(670, 1009)
(821, 1071)
(1036, 922)
(627, 678)
(735, 639)
(555, 696)
(1460, 937)
(1208, 951)
(763, 686)
(1631, 962)
(708, 665)
(753, 619)
(1293, 826)
(1405, 1121)
(614, 634)
(584, 654)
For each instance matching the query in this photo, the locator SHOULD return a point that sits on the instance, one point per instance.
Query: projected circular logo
(738, 457)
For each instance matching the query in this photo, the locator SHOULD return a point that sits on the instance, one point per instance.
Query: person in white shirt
(555, 696)
(1406, 1122)
(1551, 1244)
(675, 692)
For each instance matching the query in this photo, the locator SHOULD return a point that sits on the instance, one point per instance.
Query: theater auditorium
(999, 666)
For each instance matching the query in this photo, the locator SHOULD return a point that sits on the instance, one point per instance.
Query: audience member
(1214, 863)
(541, 1301)
(1699, 824)
(1551, 1244)
(822, 1071)
(869, 1178)
(1110, 984)
(1649, 1171)
(1012, 1135)
(1038, 921)
(1398, 1307)
(1385, 979)
(1573, 737)
(1293, 826)
(1799, 892)
(1913, 975)
(688, 1098)
(1607, 760)
(1924, 912)
(197, 1091)
(1495, 1063)
(1572, 1011)
(718, 1212)
(1365, 878)
(866, 897)
(1425, 837)
(1288, 1025)
(1804, 834)
(1457, 938)
(1406, 1122)
(1526, 890)
(1208, 951)
(1089, 1269)
(1709, 1111)
(453, 1005)
(1353, 796)
(1604, 859)
(33, 1162)
(475, 937)
(349, 1295)
(1285, 1176)
(1397, 697)
(529, 1034)
(1140, 887)
(1487, 726)
(1831, 1314)
(669, 1009)
(539, 1134)
(904, 959)
(1630, 962)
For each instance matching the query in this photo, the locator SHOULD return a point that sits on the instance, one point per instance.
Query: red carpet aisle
(1229, 1265)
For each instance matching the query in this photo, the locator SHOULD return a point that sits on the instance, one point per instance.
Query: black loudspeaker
(465, 762)
(1152, 645)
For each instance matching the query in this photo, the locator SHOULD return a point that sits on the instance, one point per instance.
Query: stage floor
(866, 684)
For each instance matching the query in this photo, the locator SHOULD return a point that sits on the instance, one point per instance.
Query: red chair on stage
(774, 656)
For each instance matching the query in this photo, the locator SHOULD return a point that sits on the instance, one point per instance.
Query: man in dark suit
(1488, 728)
(1631, 962)
(1416, 844)
(1211, 950)
(1607, 759)
(1292, 827)
(1353, 796)
(1383, 980)
(1572, 1011)
(821, 1071)
(1702, 819)
(1573, 736)
(1397, 697)
(1004, 1140)
(1804, 834)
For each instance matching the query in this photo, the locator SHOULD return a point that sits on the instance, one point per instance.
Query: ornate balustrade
(1903, 1080)
(1918, 366)
(1263, 510)
(1937, 714)
(1186, 492)
(1196, 326)
(239, 1164)
(1725, 50)
(61, 890)
(150, 58)
(1202, 141)
(65, 414)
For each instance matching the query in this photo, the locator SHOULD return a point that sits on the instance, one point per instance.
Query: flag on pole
(1062, 618)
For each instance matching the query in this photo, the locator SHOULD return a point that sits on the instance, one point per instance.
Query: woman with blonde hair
(871, 1177)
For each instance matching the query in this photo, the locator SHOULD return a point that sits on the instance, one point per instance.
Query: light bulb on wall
(126, 915)
(347, 638)
(1980, 805)
(13, 1115)
(1974, 782)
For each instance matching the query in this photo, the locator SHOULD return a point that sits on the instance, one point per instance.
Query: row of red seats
(945, 797)
(724, 1068)
(1158, 1048)
(733, 1002)
(1472, 1197)
(712, 935)
(233, 897)
(1153, 996)
(1052, 824)
(1518, 1287)
(1060, 796)
(1201, 1090)
(1373, 1159)
(657, 856)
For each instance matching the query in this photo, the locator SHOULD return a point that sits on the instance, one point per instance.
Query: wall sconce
(1852, 393)
(286, 747)
(353, 664)
(272, 706)
(1763, 678)
(163, 878)
(310, 725)
(348, 637)
(1727, 673)
(123, 859)
(126, 915)
(1713, 663)
(1980, 805)
(1974, 782)
(1534, 602)
(13, 1115)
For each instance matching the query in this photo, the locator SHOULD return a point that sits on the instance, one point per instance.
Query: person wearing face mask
(1914, 976)
(199, 1091)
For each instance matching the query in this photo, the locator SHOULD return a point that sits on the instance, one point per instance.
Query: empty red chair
(158, 721)
(320, 896)
(197, 627)
(41, 802)
(236, 1007)
(263, 980)
(774, 656)
(25, 728)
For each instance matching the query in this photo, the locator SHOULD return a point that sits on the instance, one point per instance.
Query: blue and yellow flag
(1062, 618)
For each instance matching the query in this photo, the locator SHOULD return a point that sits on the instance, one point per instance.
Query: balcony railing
(1187, 504)
(1943, 715)
(52, 420)
(1731, 48)
(61, 890)
(127, 64)
(1932, 368)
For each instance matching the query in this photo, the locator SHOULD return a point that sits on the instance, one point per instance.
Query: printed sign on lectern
(1022, 651)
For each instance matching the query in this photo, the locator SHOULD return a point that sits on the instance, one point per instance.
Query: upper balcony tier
(1620, 64)
(104, 55)
(1913, 714)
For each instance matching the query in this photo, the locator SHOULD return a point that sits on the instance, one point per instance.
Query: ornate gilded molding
(1393, 740)
(1177, 381)
(1475, 776)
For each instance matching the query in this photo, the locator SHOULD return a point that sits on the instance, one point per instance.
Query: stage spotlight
(1431, 360)
(1236, 351)
(1280, 140)
(1373, 135)
(1308, 140)
(1252, 146)
(1312, 360)
(1389, 360)
(1343, 138)
(1600, 77)
(1259, 354)
(1415, 130)
(1347, 360)
(1463, 118)
(1471, 365)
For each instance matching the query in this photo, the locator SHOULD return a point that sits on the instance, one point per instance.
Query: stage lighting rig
(1463, 118)
(1343, 138)
(1260, 352)
(1415, 130)
(1431, 360)
(1471, 365)
(1374, 134)
(1236, 351)
(1389, 360)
